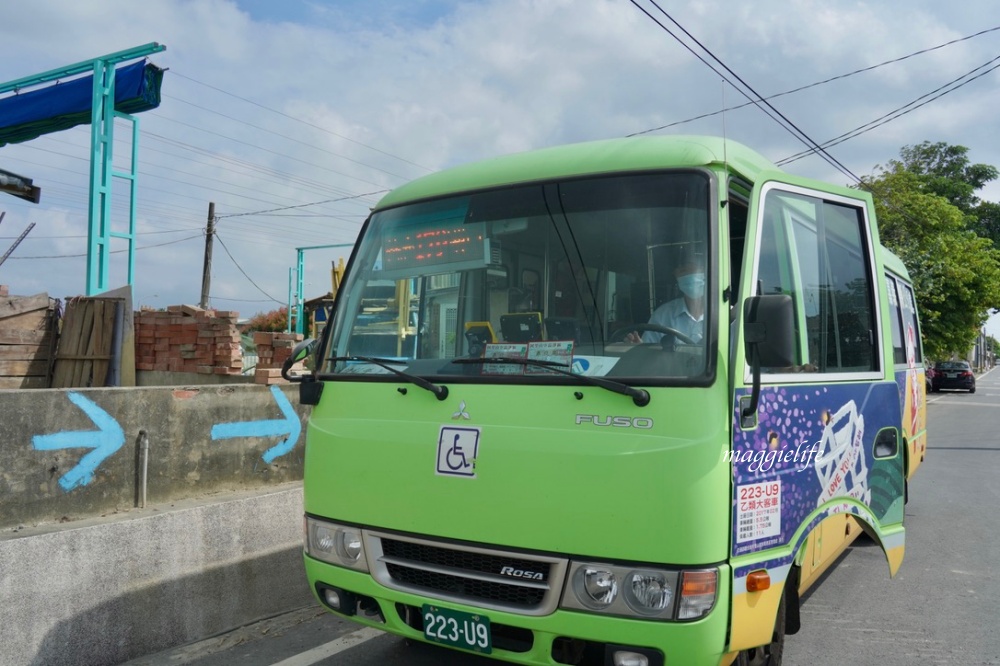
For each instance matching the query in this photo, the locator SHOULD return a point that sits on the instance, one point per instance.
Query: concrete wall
(157, 378)
(103, 591)
(68, 454)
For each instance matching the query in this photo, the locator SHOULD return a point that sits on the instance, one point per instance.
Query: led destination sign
(451, 246)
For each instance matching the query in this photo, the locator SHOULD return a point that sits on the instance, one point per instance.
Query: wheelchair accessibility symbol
(457, 450)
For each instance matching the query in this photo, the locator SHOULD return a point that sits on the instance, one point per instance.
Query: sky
(295, 117)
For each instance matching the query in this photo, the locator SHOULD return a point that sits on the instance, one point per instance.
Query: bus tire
(793, 618)
(770, 654)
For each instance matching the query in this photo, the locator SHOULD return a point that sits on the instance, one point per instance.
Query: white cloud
(369, 96)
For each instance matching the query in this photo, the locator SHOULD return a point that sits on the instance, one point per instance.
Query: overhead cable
(746, 90)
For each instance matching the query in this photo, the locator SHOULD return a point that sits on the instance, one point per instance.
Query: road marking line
(967, 402)
(333, 647)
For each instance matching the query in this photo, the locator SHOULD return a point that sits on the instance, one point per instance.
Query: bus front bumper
(563, 637)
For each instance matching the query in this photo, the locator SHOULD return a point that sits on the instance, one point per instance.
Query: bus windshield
(598, 276)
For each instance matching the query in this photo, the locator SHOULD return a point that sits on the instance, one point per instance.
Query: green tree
(955, 272)
(945, 170)
(986, 221)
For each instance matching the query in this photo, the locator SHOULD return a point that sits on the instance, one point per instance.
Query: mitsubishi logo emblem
(461, 413)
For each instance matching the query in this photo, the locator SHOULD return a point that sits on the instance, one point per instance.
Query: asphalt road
(943, 607)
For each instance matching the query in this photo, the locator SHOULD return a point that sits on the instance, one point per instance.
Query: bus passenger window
(895, 322)
(817, 252)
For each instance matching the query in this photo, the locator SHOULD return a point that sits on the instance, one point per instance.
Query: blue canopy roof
(31, 114)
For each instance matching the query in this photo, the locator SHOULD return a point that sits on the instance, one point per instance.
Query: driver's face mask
(692, 284)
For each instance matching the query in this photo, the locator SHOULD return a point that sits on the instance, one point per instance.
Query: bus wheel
(770, 654)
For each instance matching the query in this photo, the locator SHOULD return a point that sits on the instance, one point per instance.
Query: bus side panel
(910, 375)
(811, 458)
(913, 404)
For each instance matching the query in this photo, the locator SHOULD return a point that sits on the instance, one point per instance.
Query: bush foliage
(274, 321)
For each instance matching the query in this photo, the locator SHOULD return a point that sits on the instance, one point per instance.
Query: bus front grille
(479, 576)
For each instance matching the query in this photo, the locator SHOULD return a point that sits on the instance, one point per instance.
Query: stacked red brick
(273, 349)
(186, 338)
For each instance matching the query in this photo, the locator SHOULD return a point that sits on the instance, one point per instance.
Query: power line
(245, 167)
(148, 188)
(138, 233)
(81, 200)
(144, 247)
(237, 264)
(268, 150)
(899, 112)
(299, 120)
(273, 173)
(755, 98)
(288, 138)
(818, 83)
(315, 203)
(240, 300)
(150, 204)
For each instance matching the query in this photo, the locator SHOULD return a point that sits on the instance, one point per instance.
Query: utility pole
(206, 274)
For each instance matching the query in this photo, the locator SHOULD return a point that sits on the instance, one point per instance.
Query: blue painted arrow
(104, 441)
(290, 425)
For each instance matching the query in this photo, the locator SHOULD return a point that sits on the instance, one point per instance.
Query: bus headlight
(349, 546)
(336, 544)
(595, 586)
(649, 592)
(640, 592)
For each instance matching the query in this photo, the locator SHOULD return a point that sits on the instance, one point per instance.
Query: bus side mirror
(769, 322)
(299, 353)
(309, 389)
(769, 335)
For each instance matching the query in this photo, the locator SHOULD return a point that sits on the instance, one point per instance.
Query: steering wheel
(621, 333)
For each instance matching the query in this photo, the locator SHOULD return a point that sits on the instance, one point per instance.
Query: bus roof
(894, 263)
(581, 159)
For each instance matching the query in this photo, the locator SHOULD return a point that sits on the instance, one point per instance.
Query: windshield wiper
(639, 396)
(438, 390)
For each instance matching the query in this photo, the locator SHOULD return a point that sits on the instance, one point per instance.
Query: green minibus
(612, 403)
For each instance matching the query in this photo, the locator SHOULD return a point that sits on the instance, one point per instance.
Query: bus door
(909, 370)
(820, 457)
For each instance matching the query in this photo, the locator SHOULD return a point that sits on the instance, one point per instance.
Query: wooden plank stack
(27, 339)
(86, 343)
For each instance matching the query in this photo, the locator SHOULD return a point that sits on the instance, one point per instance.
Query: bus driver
(686, 313)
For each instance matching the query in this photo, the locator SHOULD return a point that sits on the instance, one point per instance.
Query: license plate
(457, 629)
(952, 375)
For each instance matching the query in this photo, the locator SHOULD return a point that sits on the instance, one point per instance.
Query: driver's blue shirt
(674, 314)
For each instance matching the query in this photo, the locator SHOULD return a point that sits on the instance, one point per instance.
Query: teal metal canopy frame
(103, 114)
(296, 296)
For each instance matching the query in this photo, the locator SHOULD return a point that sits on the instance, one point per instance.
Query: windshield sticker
(504, 350)
(362, 368)
(558, 351)
(457, 450)
(594, 366)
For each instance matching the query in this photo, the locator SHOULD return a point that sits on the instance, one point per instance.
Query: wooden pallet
(85, 344)
(27, 341)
